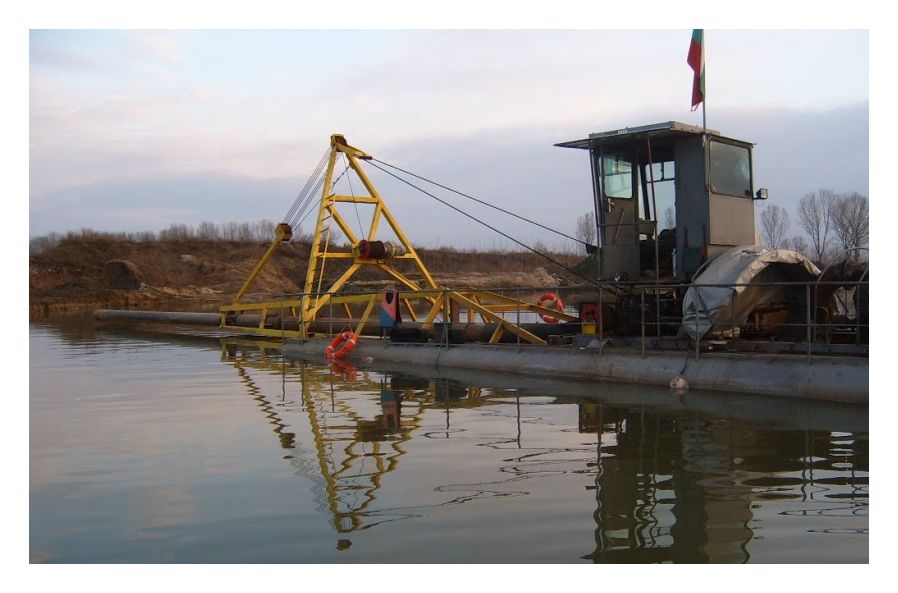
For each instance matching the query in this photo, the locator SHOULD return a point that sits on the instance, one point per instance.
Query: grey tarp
(713, 310)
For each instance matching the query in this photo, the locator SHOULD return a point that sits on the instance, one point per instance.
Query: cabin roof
(663, 130)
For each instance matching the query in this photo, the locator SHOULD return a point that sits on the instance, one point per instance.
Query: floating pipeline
(457, 332)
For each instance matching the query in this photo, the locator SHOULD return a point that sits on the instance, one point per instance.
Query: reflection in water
(667, 488)
(393, 464)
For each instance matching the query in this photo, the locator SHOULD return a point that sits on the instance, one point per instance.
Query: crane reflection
(669, 485)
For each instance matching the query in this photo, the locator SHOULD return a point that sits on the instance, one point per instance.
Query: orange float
(552, 299)
(341, 345)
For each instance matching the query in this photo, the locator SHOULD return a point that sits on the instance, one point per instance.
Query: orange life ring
(553, 299)
(341, 345)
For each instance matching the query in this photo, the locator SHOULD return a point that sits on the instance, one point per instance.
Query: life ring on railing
(552, 298)
(341, 345)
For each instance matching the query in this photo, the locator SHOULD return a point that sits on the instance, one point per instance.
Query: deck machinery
(334, 241)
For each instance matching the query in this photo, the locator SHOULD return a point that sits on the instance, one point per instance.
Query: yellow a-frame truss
(448, 304)
(313, 299)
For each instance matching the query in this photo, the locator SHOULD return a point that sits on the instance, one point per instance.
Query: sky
(138, 129)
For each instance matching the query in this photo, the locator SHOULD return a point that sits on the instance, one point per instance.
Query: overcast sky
(135, 130)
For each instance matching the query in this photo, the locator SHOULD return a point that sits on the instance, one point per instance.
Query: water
(153, 447)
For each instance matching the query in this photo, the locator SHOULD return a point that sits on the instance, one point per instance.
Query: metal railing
(812, 326)
(803, 319)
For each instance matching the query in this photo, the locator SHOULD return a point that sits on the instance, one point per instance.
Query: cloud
(154, 203)
(160, 45)
(517, 169)
(478, 110)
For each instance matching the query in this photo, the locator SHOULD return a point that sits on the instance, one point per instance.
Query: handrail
(504, 307)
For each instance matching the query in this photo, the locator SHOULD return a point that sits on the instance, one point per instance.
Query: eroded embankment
(100, 272)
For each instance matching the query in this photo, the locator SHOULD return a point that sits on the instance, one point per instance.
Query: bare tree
(815, 211)
(586, 228)
(800, 244)
(851, 221)
(774, 226)
(43, 243)
(207, 231)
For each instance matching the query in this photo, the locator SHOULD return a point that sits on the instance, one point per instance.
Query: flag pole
(705, 141)
(704, 79)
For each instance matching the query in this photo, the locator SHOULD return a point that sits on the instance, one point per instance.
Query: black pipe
(472, 332)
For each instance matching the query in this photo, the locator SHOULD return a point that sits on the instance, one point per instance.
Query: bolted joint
(339, 144)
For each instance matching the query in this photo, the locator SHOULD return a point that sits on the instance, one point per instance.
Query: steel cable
(303, 213)
(492, 228)
(302, 194)
(557, 232)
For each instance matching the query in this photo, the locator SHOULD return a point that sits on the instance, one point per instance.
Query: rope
(565, 235)
(492, 228)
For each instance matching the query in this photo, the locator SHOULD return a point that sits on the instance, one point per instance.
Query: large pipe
(178, 317)
(472, 332)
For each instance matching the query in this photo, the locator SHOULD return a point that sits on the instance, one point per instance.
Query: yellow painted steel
(282, 234)
(449, 303)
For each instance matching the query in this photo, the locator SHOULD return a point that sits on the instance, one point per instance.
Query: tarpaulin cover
(715, 310)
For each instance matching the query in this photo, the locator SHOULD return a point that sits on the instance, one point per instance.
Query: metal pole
(657, 232)
(704, 74)
(300, 320)
(447, 318)
(697, 337)
(642, 318)
(808, 292)
(600, 317)
(733, 315)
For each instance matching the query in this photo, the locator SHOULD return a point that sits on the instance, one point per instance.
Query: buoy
(679, 384)
(553, 299)
(341, 345)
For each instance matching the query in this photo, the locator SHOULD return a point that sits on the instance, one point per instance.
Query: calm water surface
(154, 447)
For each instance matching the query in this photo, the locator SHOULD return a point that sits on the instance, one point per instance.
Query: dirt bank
(76, 275)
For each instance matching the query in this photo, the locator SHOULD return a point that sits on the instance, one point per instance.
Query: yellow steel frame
(487, 305)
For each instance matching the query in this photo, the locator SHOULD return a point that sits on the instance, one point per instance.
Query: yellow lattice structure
(423, 301)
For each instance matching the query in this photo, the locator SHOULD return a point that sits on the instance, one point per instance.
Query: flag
(696, 61)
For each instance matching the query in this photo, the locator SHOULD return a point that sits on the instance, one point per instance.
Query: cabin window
(662, 175)
(730, 170)
(617, 175)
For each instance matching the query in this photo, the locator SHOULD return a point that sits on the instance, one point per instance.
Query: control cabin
(664, 205)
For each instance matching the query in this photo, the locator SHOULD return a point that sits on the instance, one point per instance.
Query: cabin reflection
(663, 490)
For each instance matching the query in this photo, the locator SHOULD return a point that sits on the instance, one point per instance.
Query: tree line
(240, 232)
(833, 224)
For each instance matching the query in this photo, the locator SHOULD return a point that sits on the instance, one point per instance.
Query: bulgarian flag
(696, 61)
